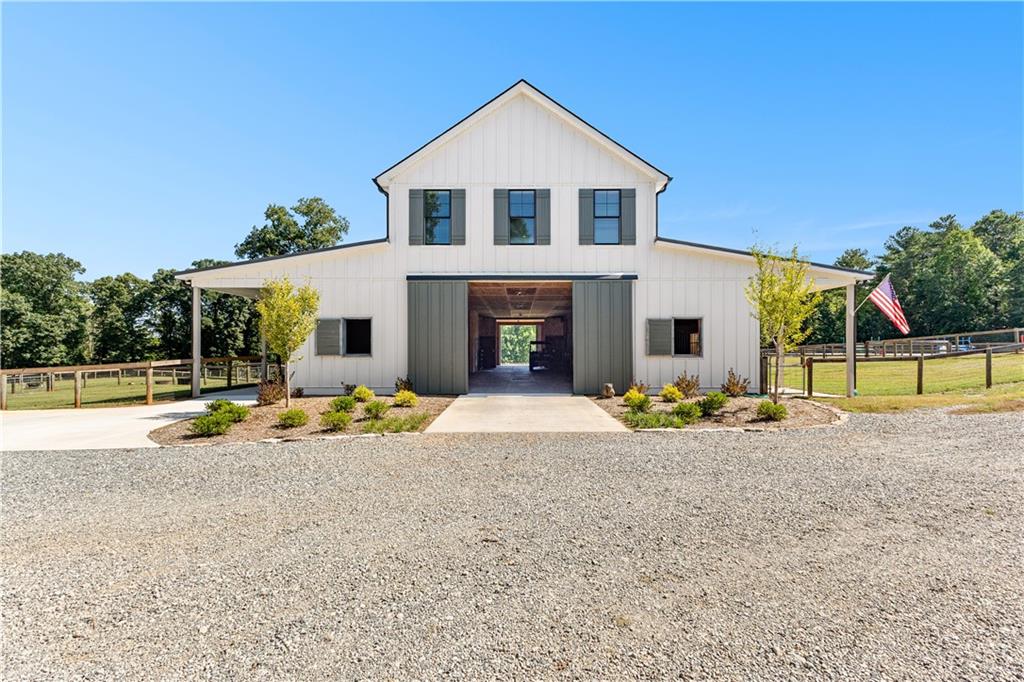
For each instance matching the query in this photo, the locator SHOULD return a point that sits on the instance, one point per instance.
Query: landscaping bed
(262, 422)
(739, 412)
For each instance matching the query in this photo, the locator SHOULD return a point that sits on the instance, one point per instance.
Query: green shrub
(712, 403)
(688, 385)
(269, 392)
(406, 399)
(410, 422)
(637, 401)
(233, 411)
(375, 409)
(362, 394)
(343, 403)
(289, 419)
(403, 385)
(687, 413)
(335, 421)
(217, 405)
(670, 394)
(735, 385)
(652, 420)
(771, 412)
(216, 424)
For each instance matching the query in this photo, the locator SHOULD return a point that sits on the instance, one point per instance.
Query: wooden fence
(912, 346)
(235, 370)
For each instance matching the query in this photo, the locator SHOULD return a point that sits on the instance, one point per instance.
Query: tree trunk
(779, 362)
(287, 386)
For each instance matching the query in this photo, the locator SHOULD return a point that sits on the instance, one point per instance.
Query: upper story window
(607, 216)
(437, 213)
(522, 215)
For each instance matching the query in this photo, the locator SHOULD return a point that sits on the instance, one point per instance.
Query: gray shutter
(415, 217)
(458, 210)
(500, 217)
(328, 337)
(659, 337)
(586, 217)
(627, 211)
(543, 213)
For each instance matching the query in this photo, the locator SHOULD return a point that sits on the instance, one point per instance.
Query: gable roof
(523, 87)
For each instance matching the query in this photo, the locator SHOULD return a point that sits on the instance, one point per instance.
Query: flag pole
(866, 298)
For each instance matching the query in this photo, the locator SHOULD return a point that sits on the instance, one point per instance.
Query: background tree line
(949, 279)
(49, 317)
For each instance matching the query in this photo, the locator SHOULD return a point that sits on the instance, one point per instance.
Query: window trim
(427, 217)
(344, 338)
(617, 217)
(532, 217)
(700, 339)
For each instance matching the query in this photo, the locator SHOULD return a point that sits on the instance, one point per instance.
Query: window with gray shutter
(586, 217)
(628, 215)
(328, 337)
(415, 217)
(458, 217)
(659, 337)
(543, 216)
(501, 217)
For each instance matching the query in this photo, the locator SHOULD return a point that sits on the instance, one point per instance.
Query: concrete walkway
(101, 427)
(523, 414)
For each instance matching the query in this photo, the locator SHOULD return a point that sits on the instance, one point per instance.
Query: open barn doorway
(520, 337)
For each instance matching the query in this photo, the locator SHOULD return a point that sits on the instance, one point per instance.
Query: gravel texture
(887, 547)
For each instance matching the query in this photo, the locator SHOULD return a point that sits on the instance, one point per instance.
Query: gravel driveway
(887, 547)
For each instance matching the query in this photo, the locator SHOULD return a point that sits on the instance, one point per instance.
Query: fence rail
(117, 382)
(942, 344)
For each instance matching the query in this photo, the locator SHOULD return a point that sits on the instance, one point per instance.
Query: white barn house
(520, 213)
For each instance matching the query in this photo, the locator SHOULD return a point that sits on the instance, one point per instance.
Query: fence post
(810, 377)
(988, 367)
(49, 382)
(3, 391)
(78, 389)
(149, 384)
(763, 378)
(230, 368)
(920, 374)
(118, 377)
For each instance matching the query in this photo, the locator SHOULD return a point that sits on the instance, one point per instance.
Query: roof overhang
(522, 87)
(189, 275)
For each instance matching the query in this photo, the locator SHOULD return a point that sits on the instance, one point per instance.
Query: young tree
(287, 318)
(782, 295)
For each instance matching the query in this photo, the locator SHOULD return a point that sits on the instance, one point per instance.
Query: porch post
(263, 359)
(197, 338)
(851, 339)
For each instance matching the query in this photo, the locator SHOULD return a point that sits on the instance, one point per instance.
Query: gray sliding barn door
(602, 335)
(439, 337)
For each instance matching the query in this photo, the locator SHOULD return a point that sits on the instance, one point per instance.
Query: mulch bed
(740, 412)
(262, 422)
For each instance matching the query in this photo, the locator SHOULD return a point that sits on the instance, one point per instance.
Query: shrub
(687, 413)
(269, 392)
(375, 409)
(217, 405)
(362, 394)
(712, 403)
(638, 386)
(347, 388)
(409, 422)
(671, 394)
(403, 385)
(335, 421)
(236, 413)
(771, 412)
(216, 424)
(688, 385)
(637, 401)
(735, 385)
(343, 403)
(289, 419)
(297, 392)
(406, 398)
(653, 420)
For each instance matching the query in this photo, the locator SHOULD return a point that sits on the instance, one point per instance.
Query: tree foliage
(515, 342)
(287, 318)
(283, 233)
(120, 319)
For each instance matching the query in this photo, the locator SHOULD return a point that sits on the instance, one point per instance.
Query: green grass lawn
(900, 378)
(104, 392)
(999, 398)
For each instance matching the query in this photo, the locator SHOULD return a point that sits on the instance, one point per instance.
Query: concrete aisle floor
(101, 427)
(523, 414)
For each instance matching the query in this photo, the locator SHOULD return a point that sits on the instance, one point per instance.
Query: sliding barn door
(602, 335)
(439, 337)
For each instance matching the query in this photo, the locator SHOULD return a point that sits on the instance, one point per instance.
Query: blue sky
(138, 136)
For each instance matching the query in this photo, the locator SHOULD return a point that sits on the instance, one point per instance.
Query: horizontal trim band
(518, 277)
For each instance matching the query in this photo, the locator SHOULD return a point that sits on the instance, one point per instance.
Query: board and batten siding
(519, 146)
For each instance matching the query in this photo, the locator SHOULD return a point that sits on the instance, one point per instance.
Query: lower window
(686, 336)
(357, 336)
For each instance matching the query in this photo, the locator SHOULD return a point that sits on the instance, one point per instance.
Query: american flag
(885, 299)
